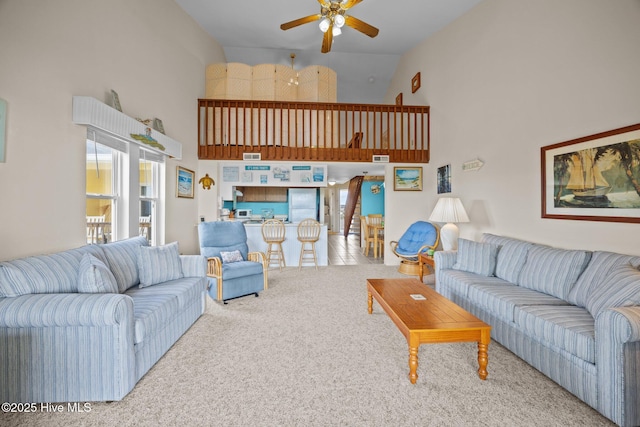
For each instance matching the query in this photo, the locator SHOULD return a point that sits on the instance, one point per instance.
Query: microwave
(243, 213)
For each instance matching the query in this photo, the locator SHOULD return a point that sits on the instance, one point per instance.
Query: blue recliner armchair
(419, 238)
(232, 270)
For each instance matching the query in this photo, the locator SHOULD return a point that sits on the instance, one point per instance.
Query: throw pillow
(476, 257)
(94, 277)
(158, 264)
(621, 288)
(233, 256)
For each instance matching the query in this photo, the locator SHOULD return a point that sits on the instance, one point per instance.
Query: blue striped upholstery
(596, 272)
(95, 277)
(65, 346)
(552, 271)
(158, 264)
(511, 256)
(155, 307)
(618, 333)
(194, 265)
(458, 281)
(567, 327)
(475, 257)
(596, 360)
(44, 274)
(502, 300)
(122, 257)
(620, 289)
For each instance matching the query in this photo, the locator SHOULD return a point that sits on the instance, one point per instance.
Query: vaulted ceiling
(249, 31)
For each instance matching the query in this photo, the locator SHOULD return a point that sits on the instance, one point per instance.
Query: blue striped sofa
(86, 324)
(573, 315)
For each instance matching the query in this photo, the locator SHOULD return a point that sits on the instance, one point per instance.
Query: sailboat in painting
(585, 178)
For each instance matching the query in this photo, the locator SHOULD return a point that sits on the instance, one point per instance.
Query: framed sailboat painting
(593, 178)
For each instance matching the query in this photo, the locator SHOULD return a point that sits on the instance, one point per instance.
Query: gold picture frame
(184, 182)
(415, 83)
(407, 178)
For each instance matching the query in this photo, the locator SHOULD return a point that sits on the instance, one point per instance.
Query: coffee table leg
(370, 302)
(413, 364)
(483, 357)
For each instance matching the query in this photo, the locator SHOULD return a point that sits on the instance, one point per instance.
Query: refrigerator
(303, 204)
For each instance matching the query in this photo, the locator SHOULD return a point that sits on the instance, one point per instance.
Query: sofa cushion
(240, 269)
(501, 300)
(569, 328)
(44, 274)
(511, 256)
(158, 264)
(620, 289)
(552, 271)
(596, 273)
(476, 257)
(95, 277)
(156, 306)
(458, 282)
(122, 257)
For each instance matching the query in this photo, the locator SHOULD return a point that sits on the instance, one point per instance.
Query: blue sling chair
(232, 270)
(419, 238)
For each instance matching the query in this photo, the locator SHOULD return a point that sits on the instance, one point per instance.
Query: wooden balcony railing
(312, 131)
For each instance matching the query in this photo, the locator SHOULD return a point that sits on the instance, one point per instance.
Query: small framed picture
(184, 182)
(157, 125)
(399, 99)
(407, 178)
(415, 82)
(115, 99)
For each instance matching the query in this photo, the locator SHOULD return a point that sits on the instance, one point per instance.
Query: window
(149, 188)
(124, 188)
(103, 164)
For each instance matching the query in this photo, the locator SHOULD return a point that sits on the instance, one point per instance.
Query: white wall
(507, 78)
(150, 51)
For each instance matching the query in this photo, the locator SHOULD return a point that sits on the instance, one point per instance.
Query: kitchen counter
(291, 245)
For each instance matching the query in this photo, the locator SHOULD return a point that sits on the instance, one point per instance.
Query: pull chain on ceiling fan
(332, 18)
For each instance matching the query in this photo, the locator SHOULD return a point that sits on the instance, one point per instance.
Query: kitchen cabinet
(263, 194)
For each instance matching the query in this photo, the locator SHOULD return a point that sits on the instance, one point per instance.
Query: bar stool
(308, 234)
(273, 232)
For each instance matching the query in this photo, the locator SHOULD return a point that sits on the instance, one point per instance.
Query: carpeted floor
(307, 353)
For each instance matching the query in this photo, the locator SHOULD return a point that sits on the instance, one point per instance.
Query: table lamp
(451, 211)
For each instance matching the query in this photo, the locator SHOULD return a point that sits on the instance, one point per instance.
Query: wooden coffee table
(432, 320)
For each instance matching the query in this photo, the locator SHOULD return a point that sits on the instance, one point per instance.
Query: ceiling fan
(332, 17)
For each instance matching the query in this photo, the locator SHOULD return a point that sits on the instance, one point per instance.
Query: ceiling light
(324, 25)
(332, 182)
(338, 20)
(336, 31)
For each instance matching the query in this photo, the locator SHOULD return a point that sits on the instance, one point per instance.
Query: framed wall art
(115, 99)
(407, 178)
(444, 179)
(415, 83)
(399, 99)
(594, 178)
(184, 182)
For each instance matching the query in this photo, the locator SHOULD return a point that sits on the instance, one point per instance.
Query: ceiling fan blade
(361, 26)
(300, 21)
(327, 40)
(349, 3)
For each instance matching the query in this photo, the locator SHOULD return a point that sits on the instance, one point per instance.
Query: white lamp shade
(339, 20)
(449, 210)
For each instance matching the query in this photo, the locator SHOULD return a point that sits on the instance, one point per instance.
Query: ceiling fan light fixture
(336, 31)
(338, 20)
(324, 25)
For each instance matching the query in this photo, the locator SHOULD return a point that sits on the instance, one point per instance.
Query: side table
(424, 259)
